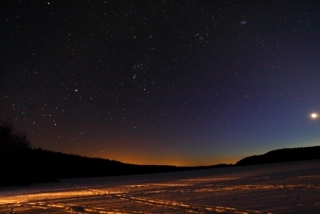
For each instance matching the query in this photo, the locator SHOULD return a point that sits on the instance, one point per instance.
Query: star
(243, 22)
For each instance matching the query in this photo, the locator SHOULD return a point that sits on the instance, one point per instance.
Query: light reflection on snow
(258, 187)
(286, 187)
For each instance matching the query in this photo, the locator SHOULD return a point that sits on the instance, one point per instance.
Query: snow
(272, 188)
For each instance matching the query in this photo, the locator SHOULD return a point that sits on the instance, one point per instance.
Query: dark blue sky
(162, 82)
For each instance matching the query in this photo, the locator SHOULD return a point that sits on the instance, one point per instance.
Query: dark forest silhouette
(22, 165)
(283, 155)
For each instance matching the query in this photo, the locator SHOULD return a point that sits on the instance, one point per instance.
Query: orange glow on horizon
(173, 161)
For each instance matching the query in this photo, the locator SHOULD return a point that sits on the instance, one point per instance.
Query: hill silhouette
(283, 155)
(26, 166)
(23, 165)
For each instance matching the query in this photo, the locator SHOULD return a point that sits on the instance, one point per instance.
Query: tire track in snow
(194, 208)
(68, 208)
(175, 206)
(185, 207)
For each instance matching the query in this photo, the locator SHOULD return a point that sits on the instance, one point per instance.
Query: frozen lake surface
(273, 188)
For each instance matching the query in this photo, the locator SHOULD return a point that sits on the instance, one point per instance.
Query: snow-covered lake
(274, 188)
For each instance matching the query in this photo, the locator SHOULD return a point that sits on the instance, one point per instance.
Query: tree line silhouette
(22, 165)
(283, 155)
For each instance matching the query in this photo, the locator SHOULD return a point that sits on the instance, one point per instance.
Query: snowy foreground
(274, 188)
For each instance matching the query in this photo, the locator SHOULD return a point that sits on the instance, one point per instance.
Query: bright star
(243, 22)
(314, 115)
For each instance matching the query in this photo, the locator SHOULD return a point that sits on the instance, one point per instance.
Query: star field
(162, 82)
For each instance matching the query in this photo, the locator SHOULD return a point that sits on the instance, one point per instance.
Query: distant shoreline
(282, 155)
(26, 166)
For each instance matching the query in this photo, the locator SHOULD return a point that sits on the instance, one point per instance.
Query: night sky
(162, 82)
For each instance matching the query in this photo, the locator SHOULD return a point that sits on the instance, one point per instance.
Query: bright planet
(314, 115)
